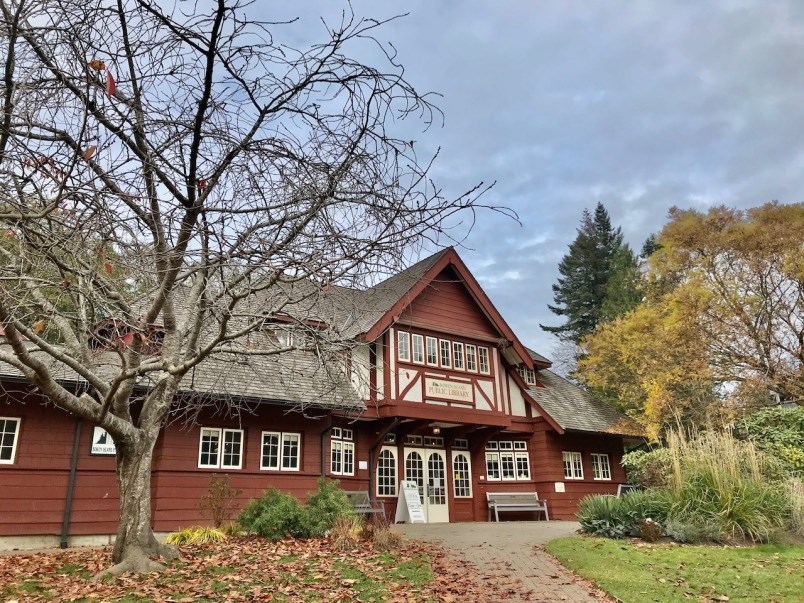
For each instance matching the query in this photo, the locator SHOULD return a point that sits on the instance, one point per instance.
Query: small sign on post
(409, 506)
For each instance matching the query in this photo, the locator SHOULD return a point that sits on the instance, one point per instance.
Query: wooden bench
(362, 504)
(515, 501)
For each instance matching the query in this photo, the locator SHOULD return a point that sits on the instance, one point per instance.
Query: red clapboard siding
(446, 305)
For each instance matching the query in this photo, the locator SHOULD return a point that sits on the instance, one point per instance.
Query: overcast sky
(640, 105)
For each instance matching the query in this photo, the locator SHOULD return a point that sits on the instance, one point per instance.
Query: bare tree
(172, 177)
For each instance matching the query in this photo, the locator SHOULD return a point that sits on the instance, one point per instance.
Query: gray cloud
(640, 105)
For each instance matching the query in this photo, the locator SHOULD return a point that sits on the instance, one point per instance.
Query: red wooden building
(437, 390)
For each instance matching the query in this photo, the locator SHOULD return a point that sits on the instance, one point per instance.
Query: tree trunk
(136, 543)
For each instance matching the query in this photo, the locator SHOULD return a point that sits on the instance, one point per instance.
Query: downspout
(324, 433)
(68, 501)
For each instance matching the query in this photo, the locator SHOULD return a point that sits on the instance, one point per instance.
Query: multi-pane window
(529, 375)
(446, 353)
(280, 451)
(460, 443)
(9, 428)
(457, 355)
(212, 455)
(418, 349)
(483, 360)
(471, 358)
(573, 467)
(507, 460)
(432, 351)
(403, 345)
(342, 452)
(386, 472)
(600, 466)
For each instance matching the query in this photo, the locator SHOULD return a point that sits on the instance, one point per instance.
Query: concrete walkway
(509, 549)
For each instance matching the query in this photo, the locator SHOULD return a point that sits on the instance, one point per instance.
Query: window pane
(522, 465)
(290, 450)
(404, 345)
(483, 356)
(471, 358)
(457, 355)
(348, 459)
(270, 451)
(432, 351)
(462, 477)
(232, 448)
(507, 465)
(446, 354)
(335, 455)
(492, 466)
(210, 442)
(8, 435)
(418, 348)
(386, 473)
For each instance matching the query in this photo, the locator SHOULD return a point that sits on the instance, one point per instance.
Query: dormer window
(529, 375)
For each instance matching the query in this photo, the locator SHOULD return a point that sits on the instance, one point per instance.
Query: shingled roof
(575, 409)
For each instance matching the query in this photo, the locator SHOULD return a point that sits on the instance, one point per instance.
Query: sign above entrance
(409, 505)
(447, 390)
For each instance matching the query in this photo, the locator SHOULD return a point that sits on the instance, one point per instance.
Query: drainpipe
(68, 501)
(324, 433)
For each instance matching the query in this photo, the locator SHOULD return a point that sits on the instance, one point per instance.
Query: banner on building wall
(409, 504)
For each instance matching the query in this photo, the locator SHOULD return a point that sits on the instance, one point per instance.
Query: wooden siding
(446, 306)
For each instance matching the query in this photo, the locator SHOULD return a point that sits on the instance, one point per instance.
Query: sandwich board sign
(409, 506)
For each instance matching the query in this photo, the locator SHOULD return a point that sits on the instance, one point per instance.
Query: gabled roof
(538, 359)
(575, 409)
(393, 295)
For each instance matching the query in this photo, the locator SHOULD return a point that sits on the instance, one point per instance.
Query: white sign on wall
(447, 390)
(102, 442)
(409, 505)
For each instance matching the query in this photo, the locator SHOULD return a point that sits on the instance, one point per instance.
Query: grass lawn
(669, 572)
(250, 569)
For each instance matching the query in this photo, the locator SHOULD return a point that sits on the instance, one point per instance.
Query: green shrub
(602, 515)
(324, 507)
(691, 530)
(653, 503)
(649, 469)
(779, 432)
(275, 515)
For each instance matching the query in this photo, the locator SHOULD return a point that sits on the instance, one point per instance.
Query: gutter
(68, 500)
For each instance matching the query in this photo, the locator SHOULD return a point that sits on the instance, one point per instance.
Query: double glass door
(428, 469)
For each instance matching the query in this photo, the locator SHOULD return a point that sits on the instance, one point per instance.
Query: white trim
(417, 339)
(437, 350)
(599, 470)
(392, 487)
(220, 433)
(441, 362)
(457, 345)
(280, 452)
(15, 440)
(400, 335)
(575, 461)
(286, 436)
(480, 363)
(465, 454)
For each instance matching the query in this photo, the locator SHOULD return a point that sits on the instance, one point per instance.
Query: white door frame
(435, 496)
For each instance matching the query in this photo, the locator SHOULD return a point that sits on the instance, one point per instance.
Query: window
(432, 351)
(415, 440)
(418, 349)
(462, 483)
(9, 428)
(573, 468)
(529, 375)
(457, 355)
(342, 452)
(461, 443)
(507, 460)
(386, 472)
(446, 354)
(483, 359)
(471, 358)
(403, 343)
(433, 441)
(209, 450)
(280, 451)
(600, 466)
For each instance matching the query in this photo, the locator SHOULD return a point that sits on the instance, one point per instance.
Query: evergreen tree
(596, 254)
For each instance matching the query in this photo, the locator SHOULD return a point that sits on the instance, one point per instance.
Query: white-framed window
(432, 351)
(403, 345)
(9, 430)
(461, 469)
(281, 451)
(601, 469)
(342, 452)
(471, 357)
(483, 360)
(446, 353)
(211, 455)
(414, 440)
(507, 460)
(457, 355)
(386, 472)
(529, 375)
(434, 441)
(418, 349)
(573, 467)
(460, 443)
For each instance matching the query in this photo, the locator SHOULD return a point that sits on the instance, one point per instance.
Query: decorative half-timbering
(433, 387)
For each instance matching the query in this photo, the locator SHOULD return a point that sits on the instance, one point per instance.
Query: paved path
(507, 548)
